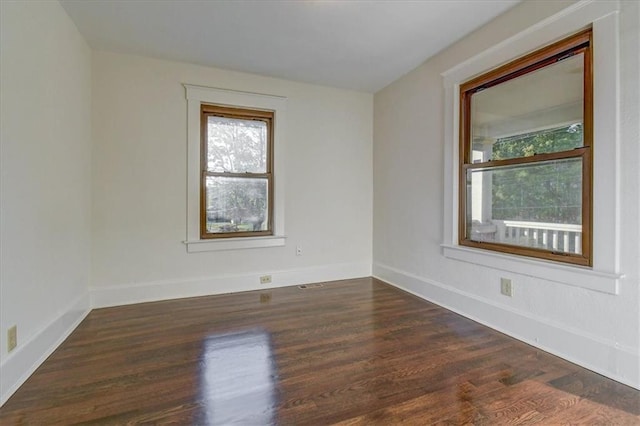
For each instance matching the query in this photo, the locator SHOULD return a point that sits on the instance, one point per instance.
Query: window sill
(198, 246)
(577, 276)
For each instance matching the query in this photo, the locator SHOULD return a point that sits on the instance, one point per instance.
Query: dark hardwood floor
(350, 352)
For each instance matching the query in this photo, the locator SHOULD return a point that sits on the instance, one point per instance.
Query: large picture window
(236, 190)
(526, 155)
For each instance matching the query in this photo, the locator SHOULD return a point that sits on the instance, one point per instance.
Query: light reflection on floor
(239, 378)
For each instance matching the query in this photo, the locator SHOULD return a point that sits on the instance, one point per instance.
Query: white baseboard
(604, 356)
(176, 289)
(593, 352)
(28, 356)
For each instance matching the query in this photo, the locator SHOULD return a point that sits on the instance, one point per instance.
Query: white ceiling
(361, 45)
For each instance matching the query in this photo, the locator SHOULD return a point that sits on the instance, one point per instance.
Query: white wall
(45, 188)
(139, 184)
(600, 331)
(127, 238)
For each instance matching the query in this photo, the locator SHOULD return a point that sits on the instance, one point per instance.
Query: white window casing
(197, 95)
(605, 274)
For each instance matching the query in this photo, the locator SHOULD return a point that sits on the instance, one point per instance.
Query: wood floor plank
(354, 352)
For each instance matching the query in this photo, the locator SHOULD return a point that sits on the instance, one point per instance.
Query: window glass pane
(236, 145)
(236, 204)
(533, 205)
(539, 112)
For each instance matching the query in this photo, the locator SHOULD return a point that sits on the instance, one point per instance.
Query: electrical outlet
(12, 338)
(298, 251)
(506, 287)
(265, 279)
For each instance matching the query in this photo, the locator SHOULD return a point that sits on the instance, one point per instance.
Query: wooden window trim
(576, 44)
(266, 116)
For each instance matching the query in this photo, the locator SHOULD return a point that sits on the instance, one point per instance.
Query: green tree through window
(549, 193)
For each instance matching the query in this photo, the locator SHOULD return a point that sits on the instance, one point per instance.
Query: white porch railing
(551, 236)
(565, 238)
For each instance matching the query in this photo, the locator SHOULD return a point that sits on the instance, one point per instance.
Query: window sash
(243, 114)
(578, 44)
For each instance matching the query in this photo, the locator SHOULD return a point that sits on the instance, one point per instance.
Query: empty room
(321, 212)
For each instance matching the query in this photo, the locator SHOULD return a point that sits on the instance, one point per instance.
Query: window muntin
(525, 155)
(237, 172)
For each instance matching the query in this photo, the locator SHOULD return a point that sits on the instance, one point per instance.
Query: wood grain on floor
(354, 352)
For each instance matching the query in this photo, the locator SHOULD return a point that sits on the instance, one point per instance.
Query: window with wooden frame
(236, 189)
(526, 155)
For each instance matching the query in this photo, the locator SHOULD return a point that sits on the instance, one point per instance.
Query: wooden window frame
(576, 44)
(267, 116)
